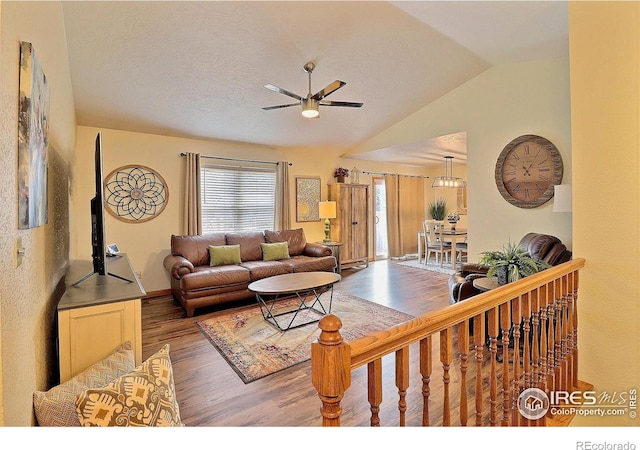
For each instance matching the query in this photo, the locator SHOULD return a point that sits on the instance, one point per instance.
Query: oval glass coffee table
(306, 287)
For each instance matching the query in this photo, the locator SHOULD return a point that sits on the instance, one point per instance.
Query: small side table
(335, 250)
(486, 284)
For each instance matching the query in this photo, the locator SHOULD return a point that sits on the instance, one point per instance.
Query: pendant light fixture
(448, 180)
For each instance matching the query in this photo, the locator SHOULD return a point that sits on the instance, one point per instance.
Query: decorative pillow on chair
(275, 252)
(221, 255)
(56, 407)
(143, 397)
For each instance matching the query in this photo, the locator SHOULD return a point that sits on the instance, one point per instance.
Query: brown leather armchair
(543, 246)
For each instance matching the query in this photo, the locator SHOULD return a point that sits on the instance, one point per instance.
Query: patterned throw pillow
(144, 397)
(56, 407)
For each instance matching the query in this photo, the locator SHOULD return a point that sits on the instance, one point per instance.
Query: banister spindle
(505, 322)
(402, 381)
(544, 327)
(463, 350)
(426, 367)
(374, 386)
(550, 336)
(516, 321)
(478, 340)
(574, 315)
(493, 377)
(557, 356)
(446, 357)
(535, 341)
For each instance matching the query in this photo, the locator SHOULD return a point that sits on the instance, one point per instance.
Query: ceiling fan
(311, 103)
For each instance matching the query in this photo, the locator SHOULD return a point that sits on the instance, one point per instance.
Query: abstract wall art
(33, 119)
(307, 199)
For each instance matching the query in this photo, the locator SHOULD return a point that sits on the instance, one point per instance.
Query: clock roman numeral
(543, 161)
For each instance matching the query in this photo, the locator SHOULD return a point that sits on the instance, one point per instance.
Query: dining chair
(434, 241)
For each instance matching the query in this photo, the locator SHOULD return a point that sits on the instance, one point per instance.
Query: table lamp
(327, 210)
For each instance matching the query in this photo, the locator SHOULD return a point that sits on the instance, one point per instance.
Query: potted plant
(438, 209)
(511, 263)
(340, 173)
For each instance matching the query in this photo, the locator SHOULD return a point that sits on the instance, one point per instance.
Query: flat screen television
(98, 236)
(98, 243)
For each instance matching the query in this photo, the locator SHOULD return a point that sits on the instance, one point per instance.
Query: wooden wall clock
(527, 169)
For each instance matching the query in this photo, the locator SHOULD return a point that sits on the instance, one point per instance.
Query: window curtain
(283, 210)
(192, 217)
(405, 213)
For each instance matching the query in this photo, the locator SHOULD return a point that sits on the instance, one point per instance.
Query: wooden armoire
(351, 226)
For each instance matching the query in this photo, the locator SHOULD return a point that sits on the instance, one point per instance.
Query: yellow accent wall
(605, 116)
(493, 108)
(147, 243)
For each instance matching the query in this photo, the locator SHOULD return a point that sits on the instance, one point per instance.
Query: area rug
(431, 266)
(255, 348)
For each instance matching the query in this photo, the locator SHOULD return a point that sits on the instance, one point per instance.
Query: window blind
(237, 198)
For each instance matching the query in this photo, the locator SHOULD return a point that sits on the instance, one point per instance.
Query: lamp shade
(327, 210)
(562, 198)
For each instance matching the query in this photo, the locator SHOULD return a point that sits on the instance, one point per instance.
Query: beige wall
(28, 291)
(148, 243)
(498, 105)
(605, 116)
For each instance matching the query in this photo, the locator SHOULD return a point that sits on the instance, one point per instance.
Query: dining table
(454, 235)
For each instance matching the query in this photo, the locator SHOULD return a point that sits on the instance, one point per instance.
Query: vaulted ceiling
(198, 69)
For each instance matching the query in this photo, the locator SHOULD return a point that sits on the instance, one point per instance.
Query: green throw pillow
(221, 255)
(274, 252)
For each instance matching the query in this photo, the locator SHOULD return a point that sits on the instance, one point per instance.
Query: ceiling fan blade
(349, 104)
(282, 91)
(329, 89)
(267, 108)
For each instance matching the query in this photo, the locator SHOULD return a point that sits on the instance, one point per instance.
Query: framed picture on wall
(307, 199)
(33, 141)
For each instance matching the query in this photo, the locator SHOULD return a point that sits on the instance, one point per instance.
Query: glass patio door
(380, 219)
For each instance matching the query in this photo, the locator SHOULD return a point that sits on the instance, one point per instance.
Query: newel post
(330, 369)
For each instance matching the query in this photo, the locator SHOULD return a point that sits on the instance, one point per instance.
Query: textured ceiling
(198, 69)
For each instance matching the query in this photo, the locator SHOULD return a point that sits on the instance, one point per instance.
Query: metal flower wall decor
(135, 193)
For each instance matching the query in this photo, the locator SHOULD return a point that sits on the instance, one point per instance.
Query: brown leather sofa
(543, 246)
(195, 283)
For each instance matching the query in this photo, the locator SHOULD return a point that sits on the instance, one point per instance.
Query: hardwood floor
(210, 393)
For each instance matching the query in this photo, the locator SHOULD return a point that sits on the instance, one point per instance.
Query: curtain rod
(235, 159)
(395, 174)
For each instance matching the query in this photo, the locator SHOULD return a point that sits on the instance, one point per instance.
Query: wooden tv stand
(98, 315)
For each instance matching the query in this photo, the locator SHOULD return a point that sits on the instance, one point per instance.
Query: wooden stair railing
(534, 319)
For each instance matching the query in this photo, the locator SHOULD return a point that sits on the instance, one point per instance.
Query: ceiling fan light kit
(310, 108)
(448, 180)
(311, 104)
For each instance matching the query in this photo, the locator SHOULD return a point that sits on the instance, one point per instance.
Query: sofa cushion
(196, 248)
(249, 243)
(303, 263)
(221, 255)
(56, 407)
(275, 251)
(295, 239)
(264, 269)
(146, 396)
(206, 277)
